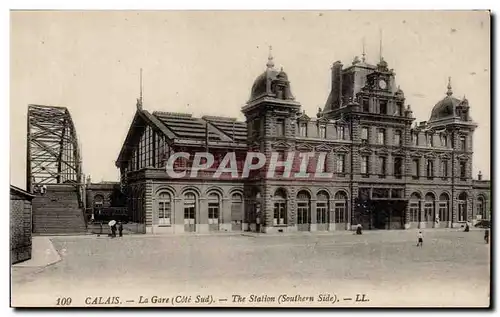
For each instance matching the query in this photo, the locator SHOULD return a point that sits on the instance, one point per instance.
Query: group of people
(120, 229)
(420, 236)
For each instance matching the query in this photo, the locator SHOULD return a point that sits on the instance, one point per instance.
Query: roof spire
(139, 100)
(380, 52)
(270, 62)
(363, 55)
(449, 92)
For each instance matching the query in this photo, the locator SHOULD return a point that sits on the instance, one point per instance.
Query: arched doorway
(322, 211)
(236, 212)
(340, 203)
(280, 208)
(414, 208)
(98, 205)
(481, 208)
(164, 210)
(190, 212)
(214, 209)
(444, 211)
(303, 211)
(430, 210)
(462, 207)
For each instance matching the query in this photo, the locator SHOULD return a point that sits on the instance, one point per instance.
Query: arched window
(322, 207)
(98, 201)
(462, 207)
(340, 207)
(280, 208)
(481, 207)
(189, 212)
(164, 209)
(213, 209)
(429, 215)
(415, 207)
(303, 208)
(444, 205)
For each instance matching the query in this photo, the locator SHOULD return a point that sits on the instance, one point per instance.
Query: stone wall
(20, 227)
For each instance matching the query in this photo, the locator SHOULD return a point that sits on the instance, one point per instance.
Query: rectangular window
(416, 168)
(414, 138)
(164, 213)
(303, 129)
(340, 163)
(280, 127)
(397, 193)
(279, 214)
(383, 168)
(462, 144)
(380, 193)
(321, 212)
(397, 138)
(364, 135)
(341, 132)
(430, 169)
(322, 132)
(444, 140)
(364, 193)
(364, 165)
(463, 169)
(399, 109)
(398, 167)
(414, 212)
(444, 168)
(430, 139)
(381, 136)
(383, 107)
(366, 105)
(340, 212)
(213, 213)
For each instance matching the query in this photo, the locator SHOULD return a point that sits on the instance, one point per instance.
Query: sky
(206, 62)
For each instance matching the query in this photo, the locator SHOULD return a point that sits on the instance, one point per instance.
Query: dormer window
(444, 140)
(366, 105)
(280, 127)
(322, 131)
(399, 109)
(383, 106)
(430, 139)
(341, 132)
(462, 143)
(303, 129)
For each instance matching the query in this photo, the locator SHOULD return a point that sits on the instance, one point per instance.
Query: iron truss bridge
(53, 152)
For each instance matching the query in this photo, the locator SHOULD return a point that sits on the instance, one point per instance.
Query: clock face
(382, 84)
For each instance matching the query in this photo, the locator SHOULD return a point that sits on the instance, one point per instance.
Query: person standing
(487, 236)
(113, 231)
(420, 237)
(120, 229)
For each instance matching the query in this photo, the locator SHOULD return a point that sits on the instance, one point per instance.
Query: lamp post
(257, 211)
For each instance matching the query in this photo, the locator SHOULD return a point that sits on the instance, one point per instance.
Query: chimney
(479, 176)
(337, 84)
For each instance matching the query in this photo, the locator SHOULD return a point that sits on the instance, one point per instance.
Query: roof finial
(139, 100)
(381, 58)
(449, 92)
(363, 55)
(270, 62)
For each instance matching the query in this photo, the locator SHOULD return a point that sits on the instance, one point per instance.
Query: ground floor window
(340, 210)
(414, 211)
(279, 213)
(322, 212)
(462, 211)
(302, 212)
(164, 209)
(213, 209)
(443, 211)
(429, 211)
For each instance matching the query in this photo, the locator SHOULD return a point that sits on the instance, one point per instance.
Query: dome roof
(260, 86)
(447, 107)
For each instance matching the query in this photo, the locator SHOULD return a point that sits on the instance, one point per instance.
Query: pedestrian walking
(466, 227)
(420, 237)
(120, 229)
(487, 236)
(359, 229)
(112, 225)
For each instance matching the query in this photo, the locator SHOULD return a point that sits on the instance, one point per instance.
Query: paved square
(452, 268)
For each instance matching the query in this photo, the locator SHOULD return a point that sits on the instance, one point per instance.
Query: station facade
(389, 172)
